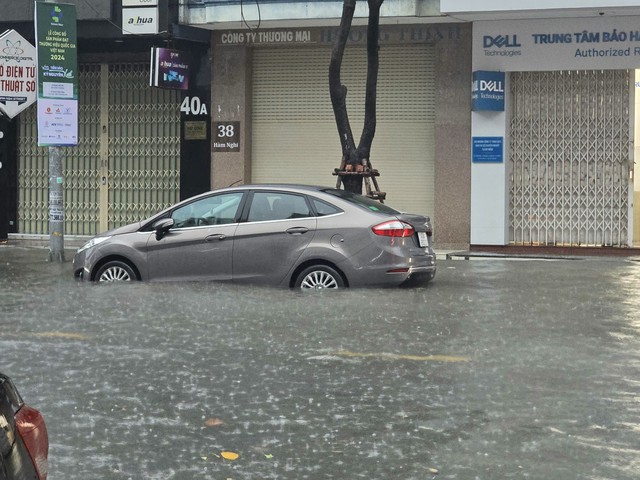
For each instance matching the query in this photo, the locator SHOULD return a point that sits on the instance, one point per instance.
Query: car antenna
(234, 183)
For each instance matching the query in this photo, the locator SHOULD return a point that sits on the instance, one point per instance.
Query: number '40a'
(193, 106)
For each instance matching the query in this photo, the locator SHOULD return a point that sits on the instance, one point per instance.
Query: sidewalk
(444, 252)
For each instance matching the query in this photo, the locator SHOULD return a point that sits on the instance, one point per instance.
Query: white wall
(458, 6)
(299, 13)
(489, 194)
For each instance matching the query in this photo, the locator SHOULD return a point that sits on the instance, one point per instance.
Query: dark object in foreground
(24, 442)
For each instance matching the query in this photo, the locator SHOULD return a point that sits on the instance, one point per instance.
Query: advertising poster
(57, 69)
(169, 69)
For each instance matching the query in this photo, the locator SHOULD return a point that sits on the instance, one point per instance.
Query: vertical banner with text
(57, 58)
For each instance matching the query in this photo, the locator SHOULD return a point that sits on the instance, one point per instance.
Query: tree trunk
(373, 34)
(355, 158)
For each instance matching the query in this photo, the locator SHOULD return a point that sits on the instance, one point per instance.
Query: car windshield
(361, 201)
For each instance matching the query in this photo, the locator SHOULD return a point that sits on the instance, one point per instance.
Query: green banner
(57, 58)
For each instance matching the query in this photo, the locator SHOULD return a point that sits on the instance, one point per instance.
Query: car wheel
(319, 276)
(115, 271)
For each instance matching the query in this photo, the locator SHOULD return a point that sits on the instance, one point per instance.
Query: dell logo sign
(506, 41)
(488, 91)
(491, 86)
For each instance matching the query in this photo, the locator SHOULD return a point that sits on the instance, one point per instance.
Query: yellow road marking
(393, 356)
(63, 335)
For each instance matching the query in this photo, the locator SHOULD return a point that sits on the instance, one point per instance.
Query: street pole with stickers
(57, 59)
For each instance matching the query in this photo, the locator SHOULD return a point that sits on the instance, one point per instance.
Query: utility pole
(56, 203)
(56, 206)
(57, 83)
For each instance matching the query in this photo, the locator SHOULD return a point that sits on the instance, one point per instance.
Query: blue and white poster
(487, 150)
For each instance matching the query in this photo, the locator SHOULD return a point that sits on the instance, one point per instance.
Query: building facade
(131, 159)
(555, 165)
(271, 113)
(506, 125)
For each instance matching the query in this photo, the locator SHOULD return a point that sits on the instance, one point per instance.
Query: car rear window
(323, 208)
(361, 201)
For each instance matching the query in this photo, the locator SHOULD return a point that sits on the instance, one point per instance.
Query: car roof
(277, 186)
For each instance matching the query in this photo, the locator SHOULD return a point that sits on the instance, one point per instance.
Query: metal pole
(56, 206)
(56, 203)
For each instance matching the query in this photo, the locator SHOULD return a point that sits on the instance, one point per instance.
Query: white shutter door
(295, 139)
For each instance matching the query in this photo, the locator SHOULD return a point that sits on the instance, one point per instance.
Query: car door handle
(216, 236)
(297, 230)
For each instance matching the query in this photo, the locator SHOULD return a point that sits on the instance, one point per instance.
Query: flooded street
(498, 369)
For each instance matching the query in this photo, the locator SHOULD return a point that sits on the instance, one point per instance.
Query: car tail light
(393, 228)
(33, 431)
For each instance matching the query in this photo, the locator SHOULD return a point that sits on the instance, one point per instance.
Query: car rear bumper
(419, 276)
(393, 271)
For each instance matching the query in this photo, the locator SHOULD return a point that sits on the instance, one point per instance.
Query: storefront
(554, 165)
(272, 119)
(133, 156)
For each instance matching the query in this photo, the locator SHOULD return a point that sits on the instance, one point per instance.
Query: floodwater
(497, 369)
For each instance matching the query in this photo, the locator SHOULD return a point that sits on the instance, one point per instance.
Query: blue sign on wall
(487, 150)
(487, 92)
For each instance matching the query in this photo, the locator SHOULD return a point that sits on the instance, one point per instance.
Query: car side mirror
(162, 227)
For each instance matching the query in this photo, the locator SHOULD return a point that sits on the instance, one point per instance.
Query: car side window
(323, 208)
(215, 210)
(277, 206)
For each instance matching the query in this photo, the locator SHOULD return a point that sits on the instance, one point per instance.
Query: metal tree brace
(367, 173)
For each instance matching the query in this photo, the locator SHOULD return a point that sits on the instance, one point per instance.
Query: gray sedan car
(283, 235)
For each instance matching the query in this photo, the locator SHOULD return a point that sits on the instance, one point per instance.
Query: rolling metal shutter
(294, 135)
(141, 148)
(570, 165)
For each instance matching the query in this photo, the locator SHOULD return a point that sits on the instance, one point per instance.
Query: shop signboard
(611, 42)
(140, 21)
(57, 74)
(17, 73)
(169, 69)
(139, 3)
(488, 91)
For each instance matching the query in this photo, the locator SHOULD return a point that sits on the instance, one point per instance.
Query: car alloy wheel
(115, 272)
(319, 277)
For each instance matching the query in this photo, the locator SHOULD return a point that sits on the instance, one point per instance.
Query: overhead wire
(244, 20)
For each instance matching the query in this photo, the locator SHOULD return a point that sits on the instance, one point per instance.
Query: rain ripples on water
(498, 369)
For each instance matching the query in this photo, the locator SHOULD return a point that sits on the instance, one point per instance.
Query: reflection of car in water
(287, 235)
(24, 442)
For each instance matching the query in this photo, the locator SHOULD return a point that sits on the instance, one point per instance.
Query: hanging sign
(139, 3)
(17, 73)
(140, 21)
(169, 69)
(57, 74)
(488, 91)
